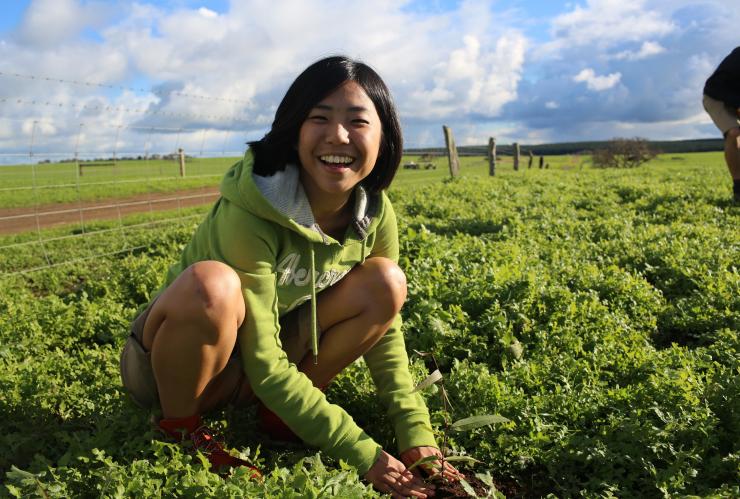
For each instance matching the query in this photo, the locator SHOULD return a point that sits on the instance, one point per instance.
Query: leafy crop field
(597, 310)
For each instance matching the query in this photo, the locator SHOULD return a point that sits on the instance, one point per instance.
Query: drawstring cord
(314, 319)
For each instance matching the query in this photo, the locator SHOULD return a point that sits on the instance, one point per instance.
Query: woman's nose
(337, 134)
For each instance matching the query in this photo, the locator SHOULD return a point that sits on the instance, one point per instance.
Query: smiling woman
(299, 252)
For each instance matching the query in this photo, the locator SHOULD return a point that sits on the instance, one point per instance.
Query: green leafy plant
(469, 423)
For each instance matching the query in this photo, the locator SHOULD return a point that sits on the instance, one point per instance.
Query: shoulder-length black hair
(278, 147)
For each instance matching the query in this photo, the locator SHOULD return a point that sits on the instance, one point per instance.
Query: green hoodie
(264, 229)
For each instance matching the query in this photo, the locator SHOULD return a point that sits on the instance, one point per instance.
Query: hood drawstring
(314, 318)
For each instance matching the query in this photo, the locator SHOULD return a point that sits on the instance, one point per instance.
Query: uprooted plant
(480, 482)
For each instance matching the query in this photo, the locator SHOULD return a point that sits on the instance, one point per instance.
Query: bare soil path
(14, 220)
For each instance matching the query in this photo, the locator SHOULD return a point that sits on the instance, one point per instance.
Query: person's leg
(191, 333)
(353, 315)
(728, 122)
(732, 152)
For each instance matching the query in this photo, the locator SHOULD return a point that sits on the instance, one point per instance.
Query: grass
(597, 310)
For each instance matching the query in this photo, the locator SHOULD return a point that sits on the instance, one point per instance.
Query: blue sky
(208, 75)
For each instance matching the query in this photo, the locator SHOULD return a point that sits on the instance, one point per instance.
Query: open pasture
(597, 310)
(47, 184)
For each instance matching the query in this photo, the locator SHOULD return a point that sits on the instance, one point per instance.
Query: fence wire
(93, 181)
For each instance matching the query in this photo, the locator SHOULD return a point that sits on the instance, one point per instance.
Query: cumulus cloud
(582, 73)
(472, 80)
(604, 23)
(597, 83)
(661, 68)
(646, 50)
(47, 23)
(247, 55)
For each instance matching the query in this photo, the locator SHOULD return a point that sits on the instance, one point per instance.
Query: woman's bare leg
(354, 314)
(191, 332)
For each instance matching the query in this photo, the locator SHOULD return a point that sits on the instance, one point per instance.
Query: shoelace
(204, 441)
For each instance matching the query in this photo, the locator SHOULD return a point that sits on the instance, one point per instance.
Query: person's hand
(412, 455)
(389, 475)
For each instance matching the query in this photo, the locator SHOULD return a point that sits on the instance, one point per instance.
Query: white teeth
(342, 160)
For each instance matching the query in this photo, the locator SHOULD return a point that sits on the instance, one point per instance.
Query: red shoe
(202, 439)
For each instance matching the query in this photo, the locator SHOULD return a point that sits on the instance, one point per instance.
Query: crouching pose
(291, 277)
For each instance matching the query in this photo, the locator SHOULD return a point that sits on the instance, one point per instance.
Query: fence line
(114, 182)
(124, 88)
(127, 181)
(97, 255)
(143, 111)
(96, 207)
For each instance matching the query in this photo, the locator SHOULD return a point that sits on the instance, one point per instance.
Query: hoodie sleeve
(388, 361)
(275, 381)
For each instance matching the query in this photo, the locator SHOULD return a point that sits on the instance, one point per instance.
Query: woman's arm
(388, 361)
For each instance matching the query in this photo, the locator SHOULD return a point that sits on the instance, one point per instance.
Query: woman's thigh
(377, 285)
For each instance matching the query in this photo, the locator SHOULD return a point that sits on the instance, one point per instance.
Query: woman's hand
(412, 455)
(389, 475)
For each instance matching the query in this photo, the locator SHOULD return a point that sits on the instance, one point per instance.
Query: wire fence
(86, 175)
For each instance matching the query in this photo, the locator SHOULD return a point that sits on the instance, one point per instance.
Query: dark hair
(278, 147)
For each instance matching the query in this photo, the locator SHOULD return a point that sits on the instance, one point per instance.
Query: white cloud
(47, 23)
(474, 79)
(597, 83)
(605, 23)
(440, 66)
(461, 66)
(647, 49)
(205, 12)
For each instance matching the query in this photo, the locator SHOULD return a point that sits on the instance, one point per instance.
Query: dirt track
(13, 220)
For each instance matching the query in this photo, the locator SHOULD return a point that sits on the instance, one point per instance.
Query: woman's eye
(317, 117)
(360, 121)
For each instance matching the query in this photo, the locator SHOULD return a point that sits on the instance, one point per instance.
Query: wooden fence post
(531, 158)
(492, 156)
(451, 152)
(182, 161)
(542, 162)
(517, 153)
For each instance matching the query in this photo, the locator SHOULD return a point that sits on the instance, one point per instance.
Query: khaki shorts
(136, 366)
(723, 116)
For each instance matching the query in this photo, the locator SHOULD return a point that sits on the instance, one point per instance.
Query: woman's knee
(387, 284)
(205, 297)
(211, 288)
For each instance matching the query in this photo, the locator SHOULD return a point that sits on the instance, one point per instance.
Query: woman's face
(339, 143)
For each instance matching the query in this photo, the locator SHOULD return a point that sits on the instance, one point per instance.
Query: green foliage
(598, 311)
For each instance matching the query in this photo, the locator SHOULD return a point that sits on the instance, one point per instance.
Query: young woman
(290, 278)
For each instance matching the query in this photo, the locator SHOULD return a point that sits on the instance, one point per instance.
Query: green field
(597, 310)
(48, 183)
